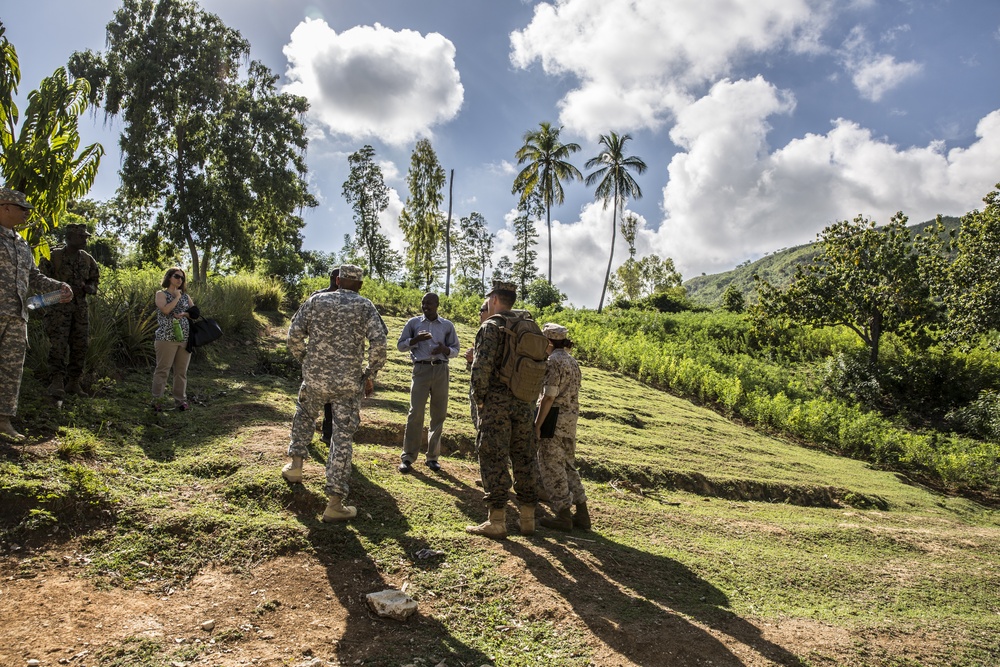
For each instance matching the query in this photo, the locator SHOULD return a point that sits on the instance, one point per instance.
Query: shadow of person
(345, 550)
(648, 608)
(468, 499)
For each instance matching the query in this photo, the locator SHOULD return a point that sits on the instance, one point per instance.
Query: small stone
(392, 604)
(208, 626)
(34, 662)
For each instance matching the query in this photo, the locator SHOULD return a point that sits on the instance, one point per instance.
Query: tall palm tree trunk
(611, 257)
(548, 224)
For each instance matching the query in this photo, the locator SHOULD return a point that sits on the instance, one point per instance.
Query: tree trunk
(548, 224)
(447, 238)
(876, 335)
(611, 257)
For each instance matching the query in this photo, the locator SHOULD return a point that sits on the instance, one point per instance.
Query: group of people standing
(328, 336)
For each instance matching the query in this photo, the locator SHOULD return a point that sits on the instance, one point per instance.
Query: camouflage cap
(503, 287)
(77, 227)
(12, 196)
(351, 272)
(554, 331)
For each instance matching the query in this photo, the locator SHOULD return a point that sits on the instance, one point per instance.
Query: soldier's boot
(337, 511)
(494, 527)
(561, 521)
(56, 387)
(527, 519)
(7, 429)
(582, 517)
(292, 472)
(73, 386)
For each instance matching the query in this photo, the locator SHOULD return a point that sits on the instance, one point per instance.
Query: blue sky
(761, 121)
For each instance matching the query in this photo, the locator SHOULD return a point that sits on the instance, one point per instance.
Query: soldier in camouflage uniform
(557, 454)
(328, 336)
(68, 325)
(17, 273)
(505, 427)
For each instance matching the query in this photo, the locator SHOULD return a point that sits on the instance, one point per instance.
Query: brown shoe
(7, 429)
(73, 386)
(495, 527)
(561, 521)
(56, 388)
(582, 517)
(527, 519)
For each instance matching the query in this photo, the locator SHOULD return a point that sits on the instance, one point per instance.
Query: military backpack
(522, 363)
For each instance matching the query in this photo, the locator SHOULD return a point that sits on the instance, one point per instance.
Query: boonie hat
(351, 272)
(554, 331)
(12, 196)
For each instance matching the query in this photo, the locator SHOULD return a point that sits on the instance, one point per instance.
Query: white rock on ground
(392, 604)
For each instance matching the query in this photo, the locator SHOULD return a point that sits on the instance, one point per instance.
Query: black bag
(203, 332)
(548, 428)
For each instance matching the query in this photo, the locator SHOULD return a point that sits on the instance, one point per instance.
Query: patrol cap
(77, 227)
(554, 331)
(351, 272)
(15, 197)
(503, 288)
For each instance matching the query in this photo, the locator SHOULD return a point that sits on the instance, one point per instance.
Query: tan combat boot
(7, 429)
(582, 517)
(495, 526)
(337, 511)
(561, 521)
(527, 519)
(292, 472)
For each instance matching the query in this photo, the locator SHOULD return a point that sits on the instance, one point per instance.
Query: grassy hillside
(777, 268)
(123, 532)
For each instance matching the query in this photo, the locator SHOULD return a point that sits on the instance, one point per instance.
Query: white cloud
(684, 45)
(874, 74)
(730, 197)
(373, 82)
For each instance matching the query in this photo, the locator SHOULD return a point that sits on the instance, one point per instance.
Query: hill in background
(777, 268)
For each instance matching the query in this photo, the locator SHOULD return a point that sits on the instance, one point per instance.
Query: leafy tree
(525, 257)
(614, 185)
(547, 166)
(421, 217)
(42, 158)
(733, 299)
(318, 263)
(220, 158)
(974, 277)
(636, 279)
(870, 280)
(542, 294)
(503, 270)
(475, 252)
(366, 192)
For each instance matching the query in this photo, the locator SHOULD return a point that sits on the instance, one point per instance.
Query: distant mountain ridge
(777, 268)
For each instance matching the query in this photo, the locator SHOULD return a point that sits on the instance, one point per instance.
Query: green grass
(702, 528)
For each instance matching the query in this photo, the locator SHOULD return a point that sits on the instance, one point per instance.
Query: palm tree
(546, 169)
(614, 184)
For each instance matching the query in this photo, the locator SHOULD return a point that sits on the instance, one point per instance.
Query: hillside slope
(712, 543)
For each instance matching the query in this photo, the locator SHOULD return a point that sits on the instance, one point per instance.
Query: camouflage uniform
(17, 273)
(327, 336)
(68, 324)
(506, 426)
(556, 455)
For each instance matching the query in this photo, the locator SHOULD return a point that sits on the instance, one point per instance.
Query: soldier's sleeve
(299, 331)
(484, 360)
(376, 344)
(552, 382)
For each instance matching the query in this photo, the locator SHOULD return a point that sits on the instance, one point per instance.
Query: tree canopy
(421, 219)
(366, 192)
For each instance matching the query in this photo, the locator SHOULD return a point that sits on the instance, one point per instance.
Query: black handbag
(203, 332)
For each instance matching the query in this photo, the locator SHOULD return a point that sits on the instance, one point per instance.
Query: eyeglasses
(177, 275)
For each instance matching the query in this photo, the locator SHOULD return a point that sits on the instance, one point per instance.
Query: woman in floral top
(172, 304)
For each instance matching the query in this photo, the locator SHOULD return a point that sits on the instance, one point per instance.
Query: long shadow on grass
(353, 574)
(636, 602)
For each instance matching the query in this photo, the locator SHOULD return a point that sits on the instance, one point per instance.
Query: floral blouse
(165, 323)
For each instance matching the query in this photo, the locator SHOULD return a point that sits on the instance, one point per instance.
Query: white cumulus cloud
(373, 82)
(874, 74)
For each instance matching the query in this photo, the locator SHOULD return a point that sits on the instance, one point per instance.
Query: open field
(124, 531)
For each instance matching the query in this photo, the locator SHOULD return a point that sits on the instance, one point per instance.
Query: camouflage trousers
(68, 328)
(346, 416)
(13, 343)
(557, 467)
(506, 429)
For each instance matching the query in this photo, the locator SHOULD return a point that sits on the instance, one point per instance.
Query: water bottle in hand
(43, 300)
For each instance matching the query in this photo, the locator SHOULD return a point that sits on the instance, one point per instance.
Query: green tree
(221, 159)
(41, 157)
(525, 256)
(366, 192)
(974, 277)
(542, 294)
(733, 300)
(615, 185)
(503, 269)
(421, 219)
(547, 166)
(475, 252)
(872, 281)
